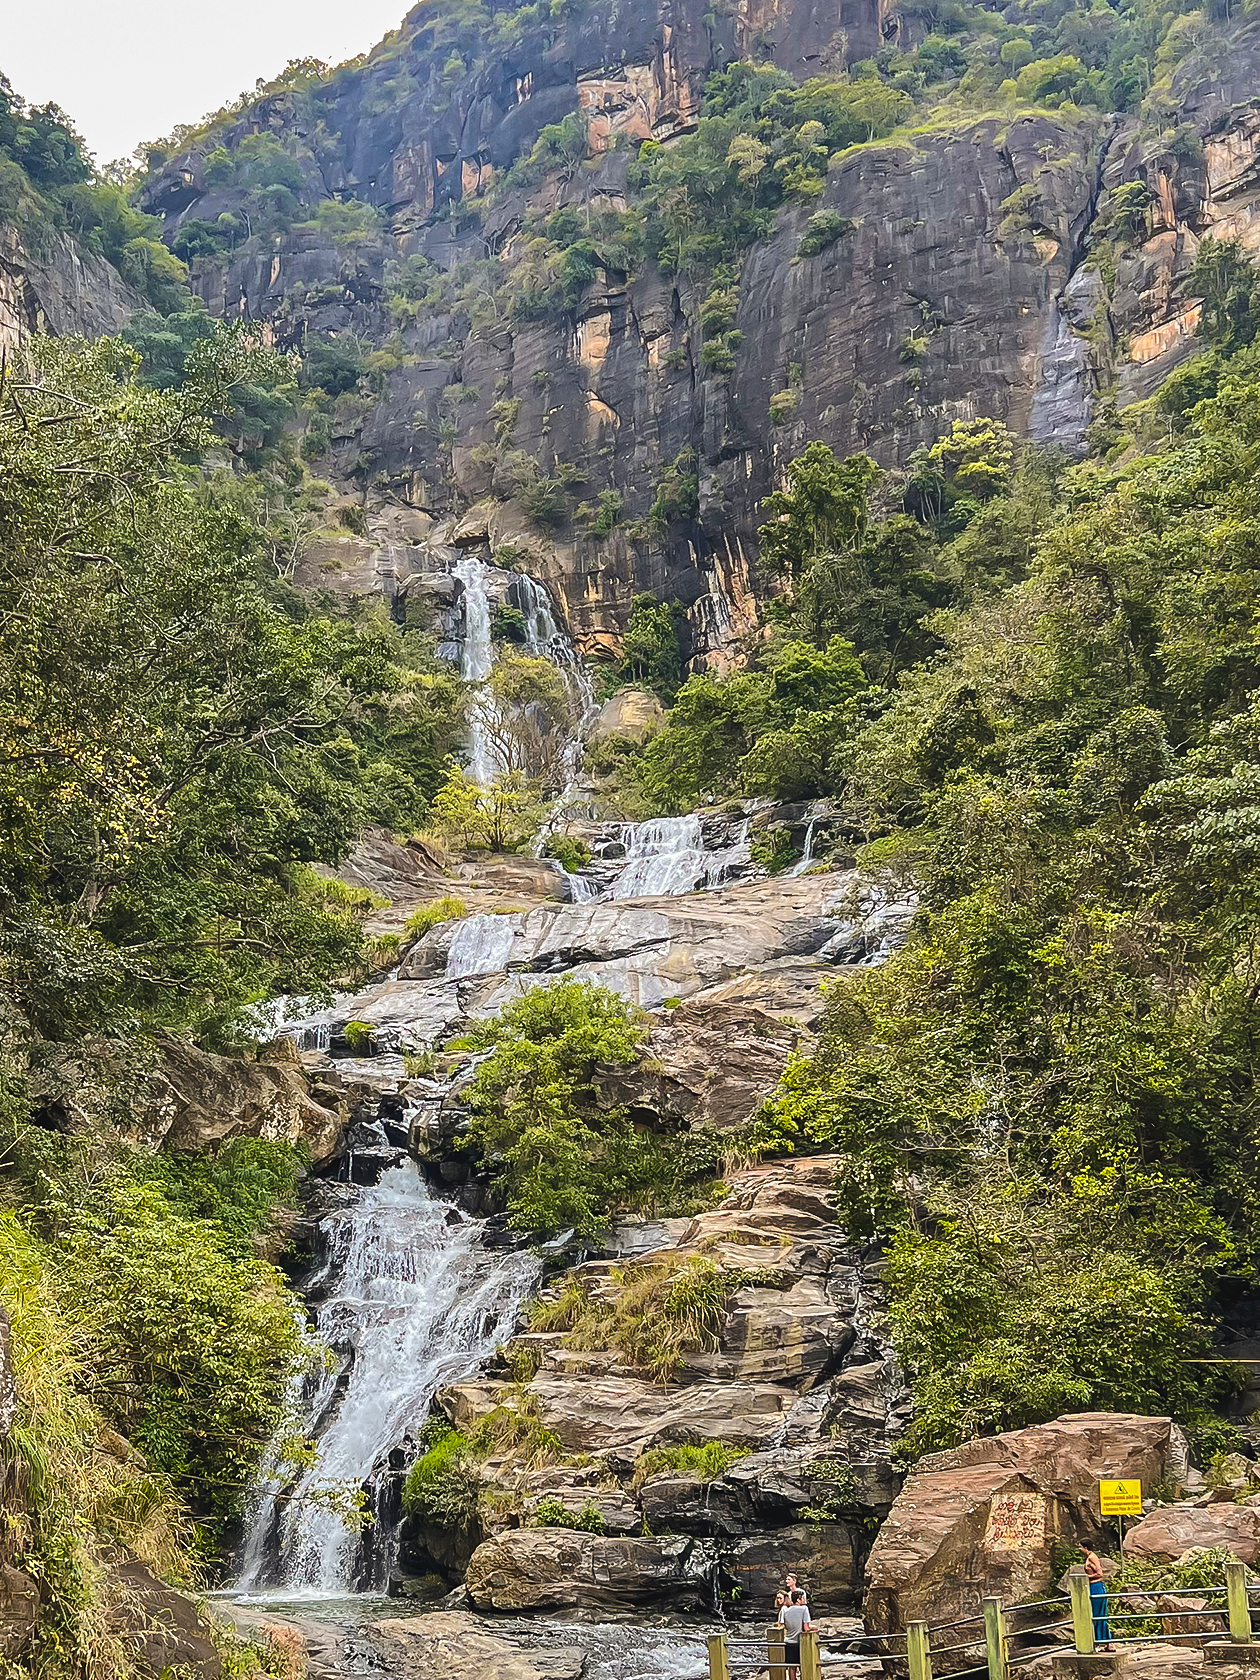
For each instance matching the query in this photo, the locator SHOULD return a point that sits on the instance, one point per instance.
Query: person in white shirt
(794, 1620)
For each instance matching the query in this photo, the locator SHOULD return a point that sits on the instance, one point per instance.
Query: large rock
(826, 1557)
(198, 1101)
(561, 1569)
(162, 1629)
(58, 288)
(709, 1065)
(1166, 1534)
(632, 713)
(980, 1520)
(622, 1416)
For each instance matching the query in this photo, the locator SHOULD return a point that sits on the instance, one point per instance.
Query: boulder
(827, 1558)
(197, 1101)
(19, 1609)
(980, 1520)
(622, 1416)
(1169, 1532)
(709, 1065)
(632, 713)
(163, 1630)
(562, 1569)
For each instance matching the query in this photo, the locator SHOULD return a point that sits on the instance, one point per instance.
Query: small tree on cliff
(822, 510)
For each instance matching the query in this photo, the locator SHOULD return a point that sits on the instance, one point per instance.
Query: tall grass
(89, 1499)
(429, 916)
(658, 1313)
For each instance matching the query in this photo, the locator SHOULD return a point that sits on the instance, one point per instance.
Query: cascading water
(666, 855)
(476, 659)
(807, 857)
(411, 1303)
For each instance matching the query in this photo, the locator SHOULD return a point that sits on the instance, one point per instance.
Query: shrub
(706, 1463)
(84, 1503)
(661, 1311)
(772, 849)
(192, 1348)
(358, 1035)
(783, 405)
(429, 916)
(822, 229)
(551, 1512)
(569, 852)
(443, 1486)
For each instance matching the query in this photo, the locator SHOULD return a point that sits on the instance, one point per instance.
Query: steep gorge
(980, 273)
(538, 465)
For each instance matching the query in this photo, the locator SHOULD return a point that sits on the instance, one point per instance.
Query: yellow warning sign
(1120, 1499)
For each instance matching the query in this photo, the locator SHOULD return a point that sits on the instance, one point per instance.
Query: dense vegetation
(1041, 691)
(181, 739)
(47, 183)
(566, 1160)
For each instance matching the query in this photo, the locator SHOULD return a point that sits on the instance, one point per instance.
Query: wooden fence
(1001, 1629)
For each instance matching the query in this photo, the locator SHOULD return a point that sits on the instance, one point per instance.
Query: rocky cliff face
(972, 239)
(58, 288)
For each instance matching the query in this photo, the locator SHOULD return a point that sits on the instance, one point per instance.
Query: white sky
(127, 71)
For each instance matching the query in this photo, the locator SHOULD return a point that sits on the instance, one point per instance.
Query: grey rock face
(61, 290)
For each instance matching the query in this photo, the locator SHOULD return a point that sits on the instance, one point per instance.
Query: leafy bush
(706, 1463)
(569, 852)
(553, 1513)
(429, 916)
(358, 1035)
(442, 1486)
(562, 1160)
(82, 1504)
(822, 230)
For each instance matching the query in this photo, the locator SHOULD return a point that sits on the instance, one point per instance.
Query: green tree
(174, 748)
(565, 1161)
(821, 510)
(649, 650)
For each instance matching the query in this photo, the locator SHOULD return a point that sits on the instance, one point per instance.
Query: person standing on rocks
(794, 1620)
(792, 1586)
(1098, 1599)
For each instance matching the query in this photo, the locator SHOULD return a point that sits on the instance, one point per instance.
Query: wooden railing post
(919, 1650)
(719, 1667)
(1236, 1598)
(995, 1639)
(774, 1653)
(811, 1657)
(1082, 1611)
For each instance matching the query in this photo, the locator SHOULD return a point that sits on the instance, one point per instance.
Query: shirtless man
(1097, 1598)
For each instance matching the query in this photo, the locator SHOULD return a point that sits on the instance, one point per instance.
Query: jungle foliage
(181, 739)
(565, 1160)
(1046, 1103)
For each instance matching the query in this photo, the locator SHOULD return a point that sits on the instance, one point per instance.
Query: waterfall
(807, 856)
(582, 890)
(479, 945)
(666, 855)
(476, 659)
(410, 1303)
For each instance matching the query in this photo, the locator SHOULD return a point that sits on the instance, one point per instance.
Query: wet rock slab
(453, 1645)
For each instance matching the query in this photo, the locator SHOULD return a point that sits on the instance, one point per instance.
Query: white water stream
(476, 660)
(807, 856)
(412, 1302)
